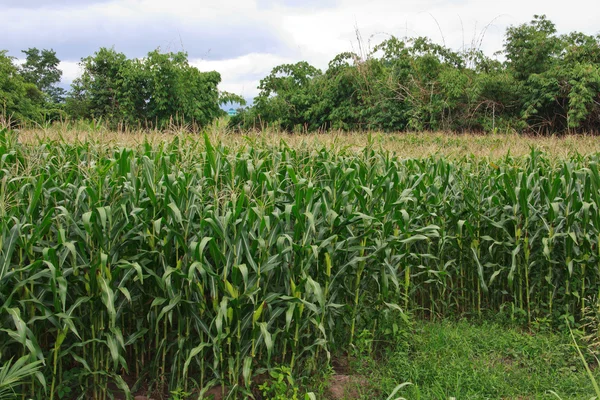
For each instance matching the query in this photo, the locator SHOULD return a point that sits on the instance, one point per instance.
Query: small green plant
(69, 381)
(363, 344)
(541, 324)
(282, 386)
(179, 394)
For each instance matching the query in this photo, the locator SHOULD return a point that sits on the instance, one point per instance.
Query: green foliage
(226, 98)
(549, 83)
(281, 386)
(19, 100)
(28, 93)
(158, 90)
(532, 48)
(179, 394)
(14, 375)
(287, 93)
(190, 264)
(462, 360)
(41, 69)
(559, 74)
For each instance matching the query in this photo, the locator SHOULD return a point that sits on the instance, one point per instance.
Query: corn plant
(190, 264)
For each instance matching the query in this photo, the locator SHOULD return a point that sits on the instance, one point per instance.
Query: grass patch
(463, 360)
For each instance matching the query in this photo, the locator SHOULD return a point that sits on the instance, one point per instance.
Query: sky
(245, 39)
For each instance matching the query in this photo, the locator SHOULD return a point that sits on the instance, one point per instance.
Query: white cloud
(455, 22)
(241, 75)
(204, 29)
(71, 70)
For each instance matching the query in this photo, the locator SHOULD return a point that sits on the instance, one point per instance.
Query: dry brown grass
(402, 144)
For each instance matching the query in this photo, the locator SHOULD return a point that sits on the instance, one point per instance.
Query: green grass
(477, 361)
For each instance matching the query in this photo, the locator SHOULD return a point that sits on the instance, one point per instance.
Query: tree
(287, 95)
(19, 101)
(180, 91)
(95, 94)
(559, 76)
(41, 69)
(154, 91)
(532, 48)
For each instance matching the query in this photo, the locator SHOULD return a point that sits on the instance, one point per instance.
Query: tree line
(150, 92)
(542, 82)
(545, 83)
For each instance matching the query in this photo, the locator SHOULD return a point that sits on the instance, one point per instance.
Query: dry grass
(406, 145)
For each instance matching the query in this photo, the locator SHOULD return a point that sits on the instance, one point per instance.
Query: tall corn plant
(191, 264)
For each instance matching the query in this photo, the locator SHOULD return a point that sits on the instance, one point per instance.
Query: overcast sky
(245, 39)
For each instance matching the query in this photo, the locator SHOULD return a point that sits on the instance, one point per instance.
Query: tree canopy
(546, 83)
(41, 69)
(19, 100)
(153, 91)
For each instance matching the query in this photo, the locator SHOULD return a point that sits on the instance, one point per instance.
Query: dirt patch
(215, 393)
(341, 365)
(345, 386)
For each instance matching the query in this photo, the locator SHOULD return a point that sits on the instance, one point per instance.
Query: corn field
(189, 264)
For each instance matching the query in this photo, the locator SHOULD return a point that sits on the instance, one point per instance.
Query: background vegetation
(546, 83)
(159, 90)
(539, 82)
